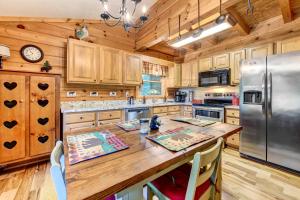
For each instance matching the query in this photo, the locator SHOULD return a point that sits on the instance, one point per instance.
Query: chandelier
(124, 16)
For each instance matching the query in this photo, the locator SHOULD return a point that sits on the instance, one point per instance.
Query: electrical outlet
(71, 94)
(112, 94)
(126, 94)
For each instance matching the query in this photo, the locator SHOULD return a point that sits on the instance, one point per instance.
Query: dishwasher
(136, 113)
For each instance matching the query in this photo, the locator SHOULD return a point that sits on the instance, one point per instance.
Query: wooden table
(125, 172)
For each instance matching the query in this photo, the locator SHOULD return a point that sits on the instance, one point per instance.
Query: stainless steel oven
(209, 113)
(214, 78)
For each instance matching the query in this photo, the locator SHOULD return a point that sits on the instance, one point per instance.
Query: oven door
(209, 113)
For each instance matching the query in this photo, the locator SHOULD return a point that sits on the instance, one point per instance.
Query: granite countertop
(96, 107)
(232, 107)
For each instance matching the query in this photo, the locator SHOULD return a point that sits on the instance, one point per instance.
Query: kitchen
(67, 73)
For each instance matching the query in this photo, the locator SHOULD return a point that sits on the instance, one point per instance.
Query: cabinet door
(132, 69)
(194, 73)
(185, 74)
(13, 119)
(174, 77)
(288, 45)
(221, 61)
(235, 59)
(205, 64)
(110, 66)
(260, 51)
(42, 114)
(82, 62)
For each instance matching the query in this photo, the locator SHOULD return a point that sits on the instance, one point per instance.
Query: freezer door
(283, 129)
(253, 108)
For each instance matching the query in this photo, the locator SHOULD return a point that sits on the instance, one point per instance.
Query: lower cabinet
(233, 117)
(187, 111)
(29, 123)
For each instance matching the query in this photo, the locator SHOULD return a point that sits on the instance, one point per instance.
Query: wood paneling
(286, 10)
(52, 35)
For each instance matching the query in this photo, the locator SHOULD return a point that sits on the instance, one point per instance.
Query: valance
(155, 69)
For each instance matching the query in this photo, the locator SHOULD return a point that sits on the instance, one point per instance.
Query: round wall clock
(32, 53)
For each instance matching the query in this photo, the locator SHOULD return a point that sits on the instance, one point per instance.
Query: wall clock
(32, 53)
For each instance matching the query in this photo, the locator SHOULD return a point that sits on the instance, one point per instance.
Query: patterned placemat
(179, 138)
(194, 121)
(93, 144)
(129, 125)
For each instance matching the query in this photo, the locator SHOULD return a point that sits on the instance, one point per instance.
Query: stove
(212, 107)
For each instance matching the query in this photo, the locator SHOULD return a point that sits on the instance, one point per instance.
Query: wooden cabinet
(174, 78)
(235, 58)
(260, 51)
(205, 64)
(232, 117)
(288, 45)
(110, 66)
(221, 61)
(82, 62)
(132, 69)
(29, 106)
(189, 74)
(187, 111)
(13, 117)
(79, 121)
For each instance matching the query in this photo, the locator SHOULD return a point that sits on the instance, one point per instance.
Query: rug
(93, 144)
(179, 138)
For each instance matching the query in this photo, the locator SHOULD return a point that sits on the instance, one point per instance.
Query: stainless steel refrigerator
(270, 110)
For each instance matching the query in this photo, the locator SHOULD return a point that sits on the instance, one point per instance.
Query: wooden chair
(191, 181)
(58, 170)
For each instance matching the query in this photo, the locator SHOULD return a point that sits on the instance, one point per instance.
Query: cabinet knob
(21, 101)
(94, 80)
(81, 118)
(32, 134)
(32, 100)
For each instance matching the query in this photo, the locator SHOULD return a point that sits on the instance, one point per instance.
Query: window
(151, 85)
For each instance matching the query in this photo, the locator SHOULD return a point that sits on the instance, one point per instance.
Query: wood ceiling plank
(286, 10)
(241, 26)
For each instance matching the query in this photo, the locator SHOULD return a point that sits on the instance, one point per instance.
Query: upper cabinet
(235, 59)
(221, 61)
(82, 62)
(205, 64)
(132, 69)
(288, 45)
(189, 74)
(174, 78)
(110, 65)
(260, 51)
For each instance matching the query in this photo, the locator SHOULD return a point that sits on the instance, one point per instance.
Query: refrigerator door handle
(269, 95)
(263, 89)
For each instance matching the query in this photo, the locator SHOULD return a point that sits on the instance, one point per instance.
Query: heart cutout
(43, 86)
(10, 145)
(43, 139)
(10, 104)
(43, 121)
(10, 124)
(43, 102)
(11, 85)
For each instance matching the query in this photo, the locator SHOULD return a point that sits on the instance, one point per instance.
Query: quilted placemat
(129, 125)
(194, 121)
(93, 144)
(179, 138)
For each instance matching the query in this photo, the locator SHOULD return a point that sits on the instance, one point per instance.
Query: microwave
(214, 78)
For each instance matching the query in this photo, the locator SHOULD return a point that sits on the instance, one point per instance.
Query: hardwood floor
(242, 180)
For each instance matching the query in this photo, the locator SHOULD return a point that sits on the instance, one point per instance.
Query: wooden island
(125, 172)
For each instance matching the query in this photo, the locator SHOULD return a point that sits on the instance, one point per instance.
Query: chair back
(205, 166)
(58, 170)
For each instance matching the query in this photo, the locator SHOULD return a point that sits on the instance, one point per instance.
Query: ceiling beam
(241, 26)
(286, 10)
(158, 26)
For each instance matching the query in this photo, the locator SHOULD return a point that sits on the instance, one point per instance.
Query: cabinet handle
(81, 117)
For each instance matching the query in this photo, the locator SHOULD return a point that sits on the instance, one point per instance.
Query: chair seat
(174, 184)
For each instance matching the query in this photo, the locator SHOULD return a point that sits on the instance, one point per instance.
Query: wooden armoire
(29, 117)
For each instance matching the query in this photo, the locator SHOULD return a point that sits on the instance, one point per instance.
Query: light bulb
(144, 10)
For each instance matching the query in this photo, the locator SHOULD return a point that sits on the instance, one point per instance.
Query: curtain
(155, 69)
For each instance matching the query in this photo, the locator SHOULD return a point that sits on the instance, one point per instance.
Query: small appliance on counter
(180, 96)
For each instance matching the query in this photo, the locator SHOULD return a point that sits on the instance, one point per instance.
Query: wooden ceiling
(269, 18)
